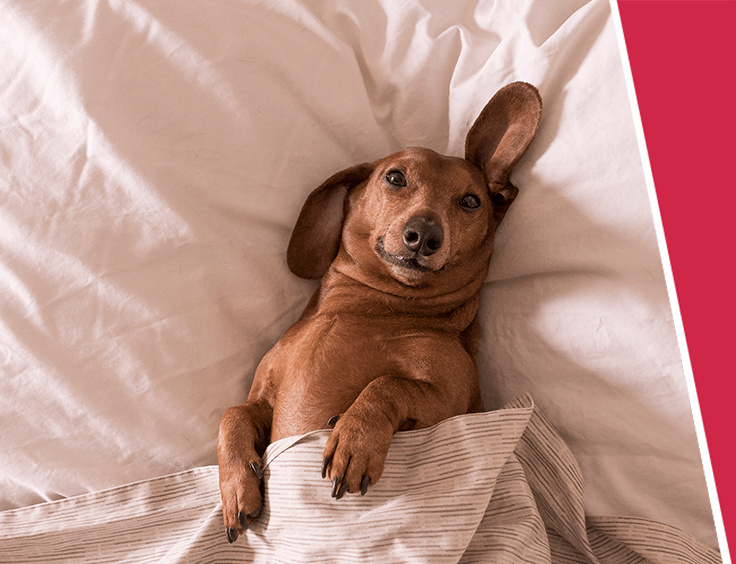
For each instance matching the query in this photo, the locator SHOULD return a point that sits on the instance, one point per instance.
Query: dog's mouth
(410, 262)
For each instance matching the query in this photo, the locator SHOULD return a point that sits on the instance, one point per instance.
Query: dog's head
(417, 219)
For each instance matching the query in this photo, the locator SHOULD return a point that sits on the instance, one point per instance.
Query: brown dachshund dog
(389, 340)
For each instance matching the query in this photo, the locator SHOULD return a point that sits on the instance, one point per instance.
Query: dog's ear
(315, 239)
(501, 135)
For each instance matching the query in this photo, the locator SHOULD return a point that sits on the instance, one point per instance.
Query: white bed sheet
(154, 156)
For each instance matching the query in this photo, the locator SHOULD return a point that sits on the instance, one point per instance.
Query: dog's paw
(355, 454)
(241, 488)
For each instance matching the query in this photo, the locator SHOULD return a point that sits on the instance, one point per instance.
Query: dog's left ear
(315, 239)
(501, 135)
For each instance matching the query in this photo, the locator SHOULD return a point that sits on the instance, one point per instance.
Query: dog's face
(420, 218)
(416, 222)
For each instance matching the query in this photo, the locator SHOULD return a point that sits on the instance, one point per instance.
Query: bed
(153, 159)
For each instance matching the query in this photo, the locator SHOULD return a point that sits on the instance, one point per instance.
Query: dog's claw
(335, 484)
(337, 493)
(243, 519)
(257, 469)
(365, 484)
(341, 491)
(332, 421)
(325, 464)
(232, 535)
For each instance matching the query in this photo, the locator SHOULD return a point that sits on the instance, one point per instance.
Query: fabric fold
(556, 481)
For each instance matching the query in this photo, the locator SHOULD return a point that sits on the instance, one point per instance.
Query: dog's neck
(454, 310)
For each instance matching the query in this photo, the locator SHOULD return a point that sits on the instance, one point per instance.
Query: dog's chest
(323, 365)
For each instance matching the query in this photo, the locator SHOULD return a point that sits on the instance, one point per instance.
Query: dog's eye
(396, 178)
(470, 202)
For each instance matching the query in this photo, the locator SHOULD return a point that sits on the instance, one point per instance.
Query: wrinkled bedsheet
(154, 157)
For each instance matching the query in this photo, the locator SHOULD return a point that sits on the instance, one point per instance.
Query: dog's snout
(423, 236)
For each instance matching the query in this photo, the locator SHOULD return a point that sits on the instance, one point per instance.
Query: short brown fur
(389, 340)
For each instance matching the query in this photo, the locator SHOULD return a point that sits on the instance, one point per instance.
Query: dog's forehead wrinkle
(422, 159)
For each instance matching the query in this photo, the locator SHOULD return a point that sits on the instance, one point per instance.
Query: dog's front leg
(356, 451)
(244, 434)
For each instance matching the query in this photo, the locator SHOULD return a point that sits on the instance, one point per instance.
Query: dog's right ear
(315, 239)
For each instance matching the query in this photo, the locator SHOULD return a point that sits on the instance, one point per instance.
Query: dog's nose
(423, 235)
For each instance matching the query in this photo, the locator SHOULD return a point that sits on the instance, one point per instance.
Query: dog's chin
(410, 270)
